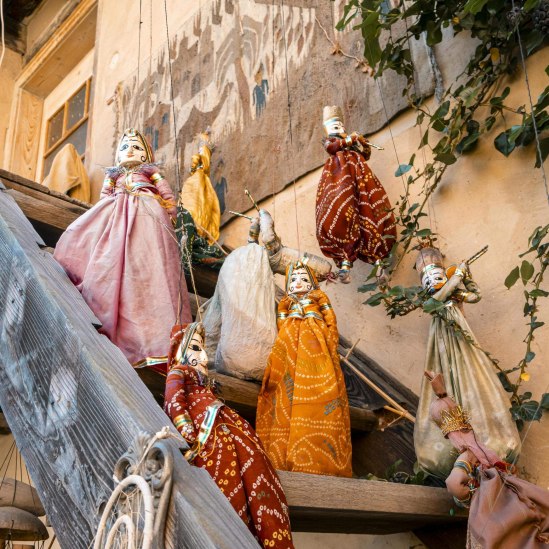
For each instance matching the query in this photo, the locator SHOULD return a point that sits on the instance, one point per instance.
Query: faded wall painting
(257, 73)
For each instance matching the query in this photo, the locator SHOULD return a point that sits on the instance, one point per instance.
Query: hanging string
(184, 250)
(276, 147)
(139, 45)
(294, 183)
(387, 123)
(534, 122)
(2, 32)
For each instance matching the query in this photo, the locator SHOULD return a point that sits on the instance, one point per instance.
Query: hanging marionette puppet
(303, 410)
(198, 195)
(222, 442)
(241, 318)
(123, 256)
(506, 512)
(468, 372)
(353, 214)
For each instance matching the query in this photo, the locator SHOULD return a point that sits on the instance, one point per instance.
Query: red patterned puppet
(222, 442)
(353, 214)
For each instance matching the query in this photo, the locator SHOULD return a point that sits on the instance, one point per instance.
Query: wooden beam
(50, 212)
(72, 39)
(355, 506)
(75, 404)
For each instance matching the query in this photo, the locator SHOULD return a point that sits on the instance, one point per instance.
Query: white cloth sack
(240, 320)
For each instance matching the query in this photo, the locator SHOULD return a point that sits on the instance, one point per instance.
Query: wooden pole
(398, 408)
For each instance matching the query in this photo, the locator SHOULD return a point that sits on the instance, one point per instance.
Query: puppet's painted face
(131, 152)
(300, 282)
(434, 277)
(196, 355)
(334, 126)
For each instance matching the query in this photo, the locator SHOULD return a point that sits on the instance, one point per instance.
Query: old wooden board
(347, 505)
(50, 212)
(74, 403)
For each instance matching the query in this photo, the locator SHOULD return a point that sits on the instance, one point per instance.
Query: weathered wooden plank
(46, 209)
(347, 505)
(75, 404)
(26, 186)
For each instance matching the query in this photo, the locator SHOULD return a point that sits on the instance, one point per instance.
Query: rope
(294, 183)
(536, 131)
(184, 252)
(2, 32)
(139, 44)
(388, 125)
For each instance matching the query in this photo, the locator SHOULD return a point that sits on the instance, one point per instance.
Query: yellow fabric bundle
(198, 196)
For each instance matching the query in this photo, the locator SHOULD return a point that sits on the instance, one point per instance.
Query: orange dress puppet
(222, 442)
(303, 410)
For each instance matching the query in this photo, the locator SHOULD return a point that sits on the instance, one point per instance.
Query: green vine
(531, 273)
(504, 32)
(467, 111)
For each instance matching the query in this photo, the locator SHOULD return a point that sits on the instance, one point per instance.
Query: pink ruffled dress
(124, 258)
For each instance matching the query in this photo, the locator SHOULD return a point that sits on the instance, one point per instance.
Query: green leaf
(371, 29)
(368, 288)
(544, 147)
(402, 169)
(375, 300)
(423, 233)
(533, 40)
(468, 143)
(512, 277)
(432, 305)
(424, 139)
(528, 411)
(544, 403)
(529, 356)
(503, 145)
(539, 293)
(446, 158)
(526, 271)
(474, 6)
(530, 5)
(505, 382)
(438, 125)
(442, 111)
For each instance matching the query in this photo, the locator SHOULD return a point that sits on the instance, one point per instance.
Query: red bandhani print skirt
(232, 454)
(353, 213)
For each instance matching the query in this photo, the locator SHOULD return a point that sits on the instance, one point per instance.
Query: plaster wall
(484, 198)
(9, 71)
(117, 57)
(38, 24)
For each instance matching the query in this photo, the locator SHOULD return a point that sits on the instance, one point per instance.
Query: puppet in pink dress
(506, 512)
(124, 258)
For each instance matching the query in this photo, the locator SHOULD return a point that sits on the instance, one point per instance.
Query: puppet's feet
(344, 274)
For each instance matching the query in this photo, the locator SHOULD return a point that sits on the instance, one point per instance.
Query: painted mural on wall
(258, 74)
